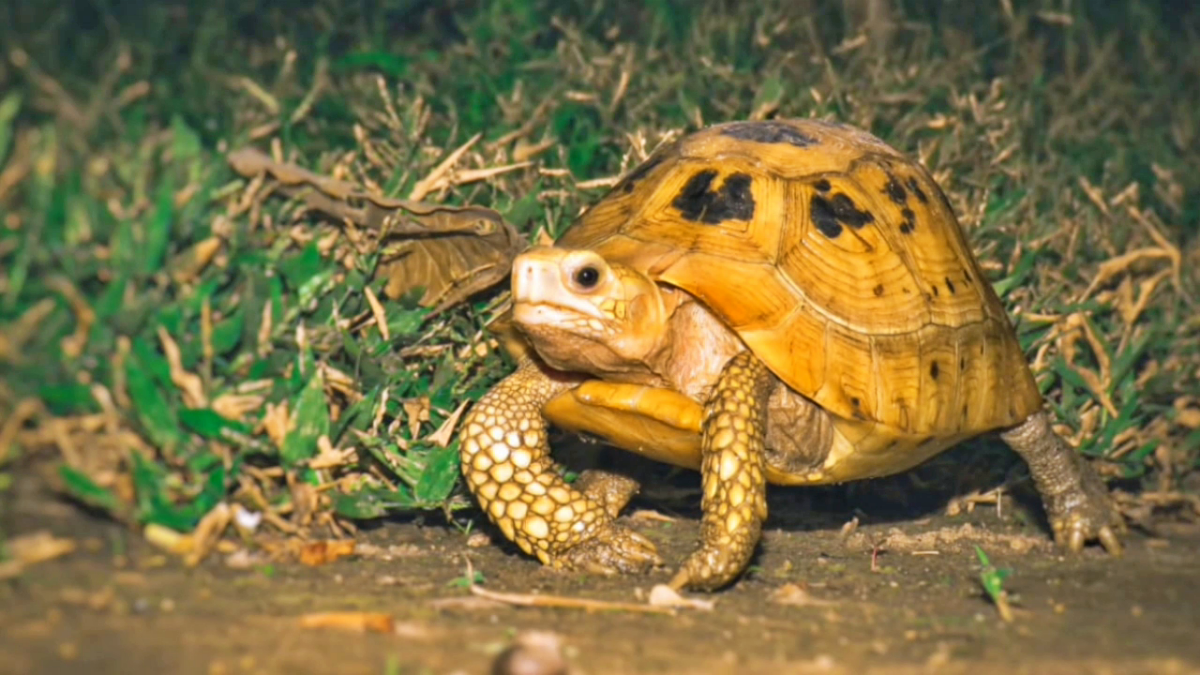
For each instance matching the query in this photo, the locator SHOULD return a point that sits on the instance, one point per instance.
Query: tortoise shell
(839, 263)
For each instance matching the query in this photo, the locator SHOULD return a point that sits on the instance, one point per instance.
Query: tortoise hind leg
(733, 475)
(1077, 502)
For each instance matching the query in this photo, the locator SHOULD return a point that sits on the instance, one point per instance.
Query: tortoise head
(585, 314)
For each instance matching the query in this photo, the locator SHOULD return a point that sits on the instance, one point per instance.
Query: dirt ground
(896, 597)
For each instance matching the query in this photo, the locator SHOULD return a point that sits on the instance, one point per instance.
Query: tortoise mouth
(567, 317)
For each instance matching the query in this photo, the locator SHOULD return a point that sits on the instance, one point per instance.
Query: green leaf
(393, 65)
(209, 424)
(227, 334)
(155, 504)
(1069, 375)
(404, 323)
(211, 495)
(9, 107)
(112, 300)
(83, 488)
(158, 230)
(298, 269)
(311, 422)
(153, 411)
(67, 399)
(370, 502)
(438, 477)
(526, 209)
(769, 93)
(358, 415)
(185, 142)
(316, 286)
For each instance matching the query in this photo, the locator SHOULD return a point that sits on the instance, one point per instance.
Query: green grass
(161, 380)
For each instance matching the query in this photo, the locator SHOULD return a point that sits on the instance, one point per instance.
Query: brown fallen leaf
(450, 251)
(33, 548)
(358, 622)
(316, 553)
(663, 595)
(797, 596)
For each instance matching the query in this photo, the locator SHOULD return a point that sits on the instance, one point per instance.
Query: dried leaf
(324, 552)
(359, 622)
(663, 595)
(452, 252)
(37, 547)
(797, 596)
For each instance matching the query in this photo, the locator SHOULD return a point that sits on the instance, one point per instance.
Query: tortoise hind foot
(613, 550)
(1078, 504)
(611, 490)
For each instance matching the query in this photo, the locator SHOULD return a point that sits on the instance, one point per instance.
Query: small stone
(532, 653)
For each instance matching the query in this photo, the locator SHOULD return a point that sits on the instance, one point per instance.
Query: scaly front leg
(732, 475)
(505, 455)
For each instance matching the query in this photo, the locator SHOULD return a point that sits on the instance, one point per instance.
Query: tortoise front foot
(712, 567)
(613, 550)
(505, 455)
(1077, 502)
(732, 475)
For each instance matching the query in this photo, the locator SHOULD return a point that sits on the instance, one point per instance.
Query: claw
(680, 581)
(1110, 542)
(1075, 542)
(706, 570)
(616, 551)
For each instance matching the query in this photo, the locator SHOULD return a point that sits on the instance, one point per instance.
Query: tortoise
(785, 301)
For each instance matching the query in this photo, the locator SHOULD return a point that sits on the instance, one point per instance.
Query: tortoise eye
(587, 276)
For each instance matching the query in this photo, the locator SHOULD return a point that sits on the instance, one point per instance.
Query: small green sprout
(468, 579)
(992, 579)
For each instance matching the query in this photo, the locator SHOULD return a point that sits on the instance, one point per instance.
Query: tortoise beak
(546, 277)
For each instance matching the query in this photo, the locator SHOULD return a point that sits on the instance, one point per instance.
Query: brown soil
(117, 605)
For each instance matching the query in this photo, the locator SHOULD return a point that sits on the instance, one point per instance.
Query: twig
(525, 600)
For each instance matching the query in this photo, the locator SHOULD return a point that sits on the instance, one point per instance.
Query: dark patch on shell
(698, 202)
(950, 285)
(768, 132)
(962, 363)
(823, 218)
(895, 191)
(916, 189)
(935, 290)
(847, 212)
(910, 221)
(640, 172)
(878, 290)
(967, 277)
(822, 185)
(829, 215)
(933, 370)
(857, 412)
